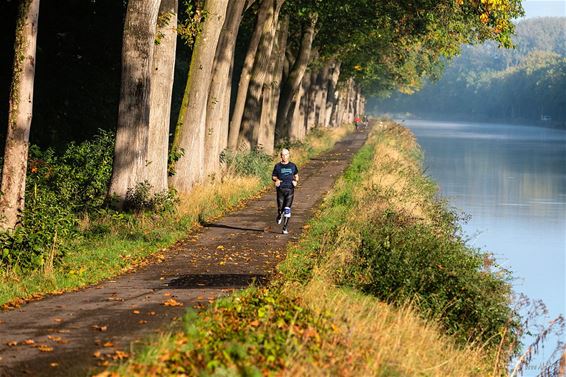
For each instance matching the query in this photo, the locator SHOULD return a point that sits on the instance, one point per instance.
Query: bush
(250, 163)
(58, 190)
(79, 177)
(400, 262)
(140, 199)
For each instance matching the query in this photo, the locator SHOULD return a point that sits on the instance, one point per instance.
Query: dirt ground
(75, 333)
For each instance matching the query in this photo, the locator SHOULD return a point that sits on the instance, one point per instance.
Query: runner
(357, 122)
(286, 176)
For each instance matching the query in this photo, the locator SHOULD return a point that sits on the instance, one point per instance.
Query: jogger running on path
(286, 176)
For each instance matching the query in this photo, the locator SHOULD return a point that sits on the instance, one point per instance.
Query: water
(512, 181)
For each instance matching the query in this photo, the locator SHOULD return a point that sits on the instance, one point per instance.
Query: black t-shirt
(285, 173)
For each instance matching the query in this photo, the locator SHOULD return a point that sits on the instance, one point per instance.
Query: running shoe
(279, 218)
(285, 231)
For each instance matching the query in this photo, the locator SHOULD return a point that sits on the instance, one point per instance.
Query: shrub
(141, 198)
(400, 262)
(249, 163)
(58, 190)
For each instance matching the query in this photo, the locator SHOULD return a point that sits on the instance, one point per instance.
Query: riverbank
(381, 284)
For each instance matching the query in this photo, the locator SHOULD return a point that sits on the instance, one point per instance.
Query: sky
(544, 8)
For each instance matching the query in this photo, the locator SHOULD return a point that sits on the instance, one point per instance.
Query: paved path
(75, 332)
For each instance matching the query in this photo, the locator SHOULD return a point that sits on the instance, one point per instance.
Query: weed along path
(73, 333)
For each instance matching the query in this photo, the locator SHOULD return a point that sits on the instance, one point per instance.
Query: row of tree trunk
(282, 93)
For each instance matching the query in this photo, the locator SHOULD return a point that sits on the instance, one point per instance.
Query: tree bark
(293, 81)
(272, 88)
(249, 130)
(330, 114)
(161, 91)
(190, 138)
(297, 115)
(132, 134)
(312, 94)
(218, 104)
(320, 100)
(236, 120)
(13, 186)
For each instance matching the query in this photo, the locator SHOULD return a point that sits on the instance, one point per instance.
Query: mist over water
(511, 180)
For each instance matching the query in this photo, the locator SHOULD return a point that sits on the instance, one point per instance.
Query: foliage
(250, 334)
(249, 163)
(400, 262)
(392, 45)
(487, 83)
(141, 198)
(191, 24)
(58, 190)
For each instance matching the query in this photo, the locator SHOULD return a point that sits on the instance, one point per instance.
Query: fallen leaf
(28, 342)
(54, 365)
(135, 311)
(104, 363)
(172, 302)
(119, 355)
(167, 294)
(108, 344)
(97, 354)
(142, 322)
(151, 313)
(100, 328)
(12, 343)
(254, 323)
(220, 247)
(54, 338)
(44, 348)
(57, 320)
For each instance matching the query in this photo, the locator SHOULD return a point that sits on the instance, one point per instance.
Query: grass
(115, 243)
(344, 329)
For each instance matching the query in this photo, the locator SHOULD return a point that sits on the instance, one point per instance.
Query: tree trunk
(312, 94)
(330, 116)
(297, 114)
(272, 88)
(19, 119)
(340, 107)
(190, 138)
(293, 81)
(236, 120)
(249, 130)
(323, 81)
(218, 104)
(161, 91)
(132, 133)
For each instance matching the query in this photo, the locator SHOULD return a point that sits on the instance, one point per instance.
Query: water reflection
(512, 181)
